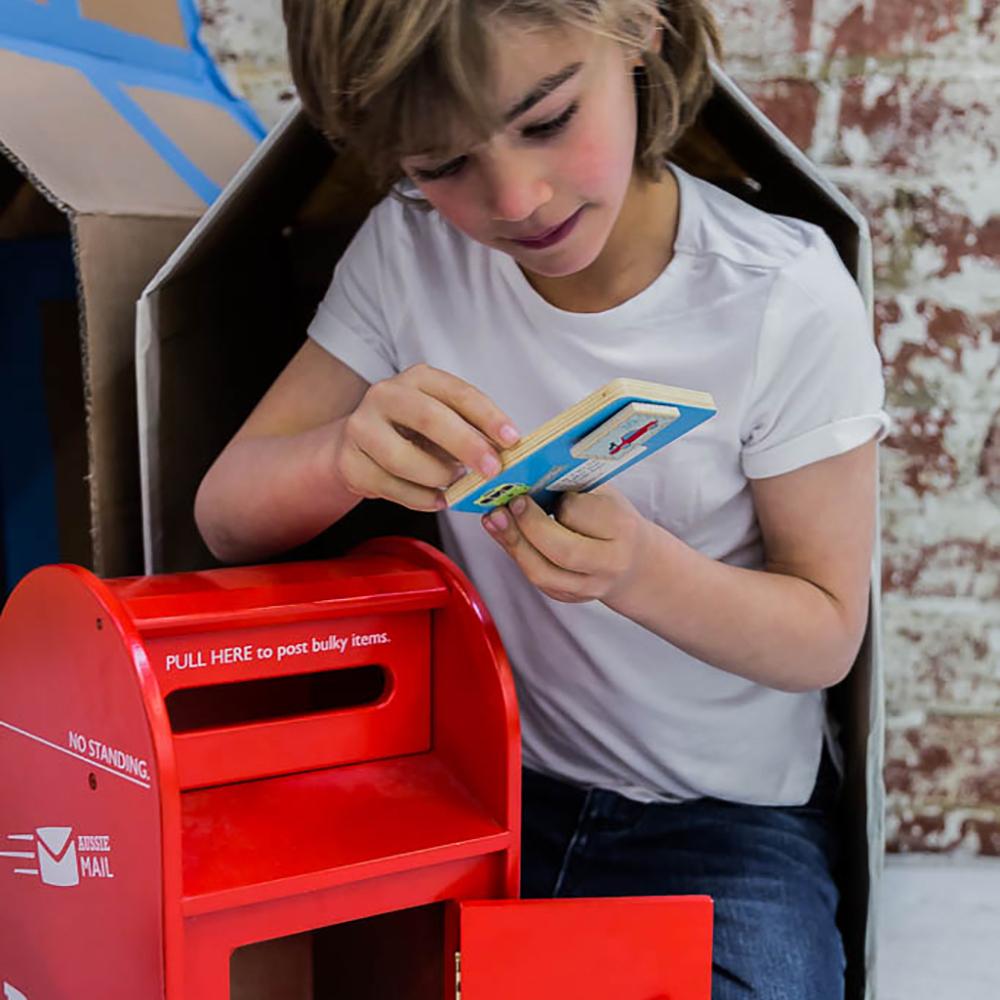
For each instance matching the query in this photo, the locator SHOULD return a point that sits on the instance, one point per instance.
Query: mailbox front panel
(258, 701)
(651, 948)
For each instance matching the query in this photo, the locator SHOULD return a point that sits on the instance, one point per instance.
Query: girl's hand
(414, 434)
(590, 550)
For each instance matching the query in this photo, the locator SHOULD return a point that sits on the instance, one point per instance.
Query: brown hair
(389, 78)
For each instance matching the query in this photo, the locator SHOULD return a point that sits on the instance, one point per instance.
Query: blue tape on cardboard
(113, 59)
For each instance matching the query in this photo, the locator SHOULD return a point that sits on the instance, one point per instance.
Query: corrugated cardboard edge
(29, 175)
(96, 546)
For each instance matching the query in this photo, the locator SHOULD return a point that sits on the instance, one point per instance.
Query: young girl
(671, 636)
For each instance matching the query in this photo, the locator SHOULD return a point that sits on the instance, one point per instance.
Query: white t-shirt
(753, 308)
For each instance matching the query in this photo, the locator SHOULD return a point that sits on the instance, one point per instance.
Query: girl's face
(547, 188)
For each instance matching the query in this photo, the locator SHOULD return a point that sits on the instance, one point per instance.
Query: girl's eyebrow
(538, 93)
(542, 90)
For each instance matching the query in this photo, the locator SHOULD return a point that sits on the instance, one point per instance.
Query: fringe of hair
(390, 78)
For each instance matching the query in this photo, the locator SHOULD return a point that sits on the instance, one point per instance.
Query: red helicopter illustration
(631, 438)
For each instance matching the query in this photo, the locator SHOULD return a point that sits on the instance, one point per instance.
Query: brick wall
(899, 102)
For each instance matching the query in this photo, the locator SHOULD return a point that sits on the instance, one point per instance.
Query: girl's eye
(541, 130)
(448, 169)
(554, 125)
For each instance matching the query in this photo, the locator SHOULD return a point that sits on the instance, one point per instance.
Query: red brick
(892, 27)
(953, 568)
(989, 462)
(915, 118)
(943, 783)
(930, 468)
(791, 104)
(908, 218)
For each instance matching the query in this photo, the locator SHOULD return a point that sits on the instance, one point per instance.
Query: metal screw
(92, 781)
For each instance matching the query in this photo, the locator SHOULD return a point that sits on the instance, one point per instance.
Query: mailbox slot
(233, 704)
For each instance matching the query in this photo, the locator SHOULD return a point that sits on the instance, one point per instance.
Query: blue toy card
(586, 445)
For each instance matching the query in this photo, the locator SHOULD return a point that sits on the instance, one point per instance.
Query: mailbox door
(649, 948)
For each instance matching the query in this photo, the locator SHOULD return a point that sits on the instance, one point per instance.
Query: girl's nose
(516, 191)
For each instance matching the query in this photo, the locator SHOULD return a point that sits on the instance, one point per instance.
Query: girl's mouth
(553, 235)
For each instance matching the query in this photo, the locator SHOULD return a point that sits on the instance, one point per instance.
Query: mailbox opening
(216, 706)
(398, 954)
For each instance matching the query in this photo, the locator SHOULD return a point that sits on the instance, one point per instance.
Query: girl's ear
(652, 41)
(654, 37)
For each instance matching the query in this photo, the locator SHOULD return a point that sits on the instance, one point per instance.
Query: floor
(939, 929)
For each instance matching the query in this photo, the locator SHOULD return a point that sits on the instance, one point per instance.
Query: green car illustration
(500, 494)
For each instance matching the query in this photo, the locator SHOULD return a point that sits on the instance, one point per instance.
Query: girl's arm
(322, 439)
(794, 625)
(273, 486)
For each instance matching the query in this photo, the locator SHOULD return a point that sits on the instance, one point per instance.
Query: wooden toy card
(586, 445)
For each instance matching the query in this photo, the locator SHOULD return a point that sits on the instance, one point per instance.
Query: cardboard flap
(116, 256)
(650, 948)
(113, 106)
(79, 149)
(214, 140)
(275, 175)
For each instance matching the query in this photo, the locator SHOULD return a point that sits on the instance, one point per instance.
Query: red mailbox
(191, 765)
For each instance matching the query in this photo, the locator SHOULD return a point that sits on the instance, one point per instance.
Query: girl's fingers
(399, 454)
(401, 404)
(557, 543)
(474, 406)
(555, 580)
(454, 467)
(378, 482)
(424, 428)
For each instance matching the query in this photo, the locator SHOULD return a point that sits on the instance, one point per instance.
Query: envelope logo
(57, 856)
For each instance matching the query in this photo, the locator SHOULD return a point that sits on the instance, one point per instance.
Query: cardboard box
(116, 133)
(231, 305)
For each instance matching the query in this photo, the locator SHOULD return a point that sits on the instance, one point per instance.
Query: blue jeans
(767, 868)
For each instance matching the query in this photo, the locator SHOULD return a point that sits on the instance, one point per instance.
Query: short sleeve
(352, 321)
(817, 388)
